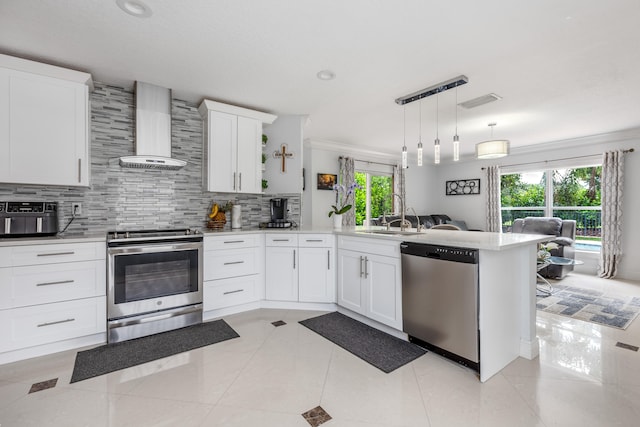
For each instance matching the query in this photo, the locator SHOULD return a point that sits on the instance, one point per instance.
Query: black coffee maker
(278, 214)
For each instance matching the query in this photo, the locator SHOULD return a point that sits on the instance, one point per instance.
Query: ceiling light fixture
(326, 75)
(135, 8)
(493, 148)
(433, 90)
(404, 144)
(456, 138)
(436, 143)
(420, 135)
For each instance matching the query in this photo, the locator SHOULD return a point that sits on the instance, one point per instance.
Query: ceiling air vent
(481, 100)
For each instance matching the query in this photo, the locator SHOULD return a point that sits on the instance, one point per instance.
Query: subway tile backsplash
(122, 198)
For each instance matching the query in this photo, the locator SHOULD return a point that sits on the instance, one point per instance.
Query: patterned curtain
(494, 214)
(611, 200)
(398, 187)
(347, 177)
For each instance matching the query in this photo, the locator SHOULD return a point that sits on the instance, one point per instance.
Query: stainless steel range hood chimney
(153, 130)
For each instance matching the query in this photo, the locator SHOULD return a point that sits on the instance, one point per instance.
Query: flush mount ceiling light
(493, 148)
(326, 75)
(135, 8)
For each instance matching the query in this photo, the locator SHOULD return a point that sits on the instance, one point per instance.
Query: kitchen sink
(393, 232)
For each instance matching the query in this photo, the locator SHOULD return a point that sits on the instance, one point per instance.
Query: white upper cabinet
(232, 147)
(44, 124)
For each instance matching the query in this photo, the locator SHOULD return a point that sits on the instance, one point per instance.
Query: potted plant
(264, 160)
(343, 195)
(265, 184)
(265, 138)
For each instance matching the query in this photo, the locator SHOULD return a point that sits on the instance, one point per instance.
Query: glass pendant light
(420, 135)
(436, 143)
(404, 143)
(456, 139)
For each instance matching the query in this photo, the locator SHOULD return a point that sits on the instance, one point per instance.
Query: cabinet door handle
(361, 269)
(233, 292)
(234, 181)
(366, 269)
(294, 259)
(234, 262)
(314, 240)
(328, 259)
(60, 282)
(280, 240)
(233, 241)
(57, 253)
(79, 170)
(57, 322)
(240, 181)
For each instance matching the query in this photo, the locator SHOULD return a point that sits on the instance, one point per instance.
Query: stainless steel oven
(154, 282)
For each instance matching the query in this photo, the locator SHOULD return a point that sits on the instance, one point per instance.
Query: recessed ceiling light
(326, 75)
(135, 8)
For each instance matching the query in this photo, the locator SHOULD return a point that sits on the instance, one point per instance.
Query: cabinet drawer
(281, 239)
(232, 242)
(230, 263)
(315, 240)
(57, 253)
(230, 292)
(371, 245)
(39, 284)
(43, 324)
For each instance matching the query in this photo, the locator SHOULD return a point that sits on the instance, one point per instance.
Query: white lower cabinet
(233, 270)
(51, 293)
(300, 267)
(369, 279)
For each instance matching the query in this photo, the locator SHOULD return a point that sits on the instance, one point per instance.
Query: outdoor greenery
(381, 188)
(578, 187)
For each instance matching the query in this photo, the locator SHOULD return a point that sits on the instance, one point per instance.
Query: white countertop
(462, 239)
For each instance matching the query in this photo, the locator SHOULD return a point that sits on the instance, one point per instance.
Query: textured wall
(121, 198)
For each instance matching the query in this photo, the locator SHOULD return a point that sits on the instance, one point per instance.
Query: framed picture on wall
(326, 181)
(462, 187)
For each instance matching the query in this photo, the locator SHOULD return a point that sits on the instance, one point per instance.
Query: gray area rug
(375, 347)
(113, 357)
(591, 306)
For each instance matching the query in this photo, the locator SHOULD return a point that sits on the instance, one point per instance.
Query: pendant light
(436, 143)
(404, 143)
(420, 135)
(493, 148)
(456, 139)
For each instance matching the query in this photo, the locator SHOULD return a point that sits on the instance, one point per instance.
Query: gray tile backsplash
(121, 198)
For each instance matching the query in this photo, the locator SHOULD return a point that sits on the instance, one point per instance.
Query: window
(570, 193)
(374, 198)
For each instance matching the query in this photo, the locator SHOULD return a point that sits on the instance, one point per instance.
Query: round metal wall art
(462, 187)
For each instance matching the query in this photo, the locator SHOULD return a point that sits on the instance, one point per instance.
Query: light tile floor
(271, 375)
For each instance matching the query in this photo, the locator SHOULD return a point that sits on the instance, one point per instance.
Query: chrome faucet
(419, 226)
(403, 221)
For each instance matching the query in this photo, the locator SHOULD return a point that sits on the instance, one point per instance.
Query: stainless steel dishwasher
(440, 300)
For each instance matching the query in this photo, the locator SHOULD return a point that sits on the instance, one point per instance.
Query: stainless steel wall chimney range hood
(153, 130)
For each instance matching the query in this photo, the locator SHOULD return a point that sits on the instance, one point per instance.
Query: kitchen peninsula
(506, 279)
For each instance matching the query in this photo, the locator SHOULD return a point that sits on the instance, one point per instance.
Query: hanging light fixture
(420, 135)
(436, 143)
(493, 148)
(456, 139)
(404, 143)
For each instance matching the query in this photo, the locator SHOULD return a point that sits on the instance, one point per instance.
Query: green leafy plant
(264, 139)
(265, 184)
(264, 158)
(343, 193)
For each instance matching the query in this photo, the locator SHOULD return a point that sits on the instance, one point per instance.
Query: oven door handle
(150, 248)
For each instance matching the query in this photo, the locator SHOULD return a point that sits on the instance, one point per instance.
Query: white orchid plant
(343, 192)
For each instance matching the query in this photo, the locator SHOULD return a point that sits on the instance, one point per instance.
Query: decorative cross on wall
(284, 155)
